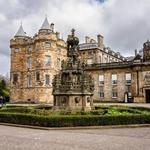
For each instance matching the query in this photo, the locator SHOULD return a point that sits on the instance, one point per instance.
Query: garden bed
(47, 117)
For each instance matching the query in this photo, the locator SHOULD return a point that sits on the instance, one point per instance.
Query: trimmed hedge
(70, 121)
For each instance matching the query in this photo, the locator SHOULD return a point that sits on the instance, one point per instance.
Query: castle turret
(20, 32)
(34, 61)
(45, 26)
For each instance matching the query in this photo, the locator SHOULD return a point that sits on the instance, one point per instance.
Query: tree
(4, 91)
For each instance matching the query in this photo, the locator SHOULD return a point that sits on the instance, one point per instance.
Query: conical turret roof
(45, 24)
(20, 32)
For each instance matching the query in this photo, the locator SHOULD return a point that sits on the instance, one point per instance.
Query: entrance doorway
(147, 96)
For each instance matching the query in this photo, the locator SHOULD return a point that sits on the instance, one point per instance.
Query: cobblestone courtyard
(13, 138)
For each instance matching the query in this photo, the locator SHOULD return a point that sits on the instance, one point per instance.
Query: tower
(146, 51)
(34, 62)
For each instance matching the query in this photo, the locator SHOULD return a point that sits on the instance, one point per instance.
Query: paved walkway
(147, 105)
(13, 138)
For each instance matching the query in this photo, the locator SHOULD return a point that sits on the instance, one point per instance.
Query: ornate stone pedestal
(72, 87)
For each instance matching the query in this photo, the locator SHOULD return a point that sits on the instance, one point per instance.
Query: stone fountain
(73, 87)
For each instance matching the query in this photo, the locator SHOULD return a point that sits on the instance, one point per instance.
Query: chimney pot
(52, 26)
(100, 39)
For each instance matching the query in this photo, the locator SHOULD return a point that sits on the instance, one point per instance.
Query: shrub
(46, 107)
(69, 121)
(99, 112)
(25, 110)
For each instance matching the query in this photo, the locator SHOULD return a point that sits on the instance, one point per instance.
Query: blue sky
(123, 23)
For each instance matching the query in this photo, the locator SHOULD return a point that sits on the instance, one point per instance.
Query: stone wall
(37, 48)
(137, 86)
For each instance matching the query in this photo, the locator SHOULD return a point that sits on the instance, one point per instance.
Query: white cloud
(4, 64)
(124, 23)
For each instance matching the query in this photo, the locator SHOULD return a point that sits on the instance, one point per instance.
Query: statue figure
(72, 46)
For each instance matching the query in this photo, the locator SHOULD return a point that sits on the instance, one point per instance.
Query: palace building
(35, 60)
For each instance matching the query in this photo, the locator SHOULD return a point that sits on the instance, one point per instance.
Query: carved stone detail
(72, 81)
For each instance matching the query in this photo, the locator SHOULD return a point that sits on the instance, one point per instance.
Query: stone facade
(116, 81)
(34, 62)
(93, 52)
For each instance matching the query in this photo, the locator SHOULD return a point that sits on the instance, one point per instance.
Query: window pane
(101, 79)
(47, 60)
(58, 63)
(29, 80)
(114, 77)
(47, 80)
(15, 78)
(114, 94)
(47, 45)
(128, 76)
(89, 61)
(101, 94)
(17, 49)
(29, 62)
(37, 76)
(30, 49)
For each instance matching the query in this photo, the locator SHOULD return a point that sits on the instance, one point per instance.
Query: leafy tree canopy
(4, 91)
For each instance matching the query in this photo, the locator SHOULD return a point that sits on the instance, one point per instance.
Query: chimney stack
(52, 26)
(92, 41)
(100, 40)
(87, 39)
(58, 35)
(135, 52)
